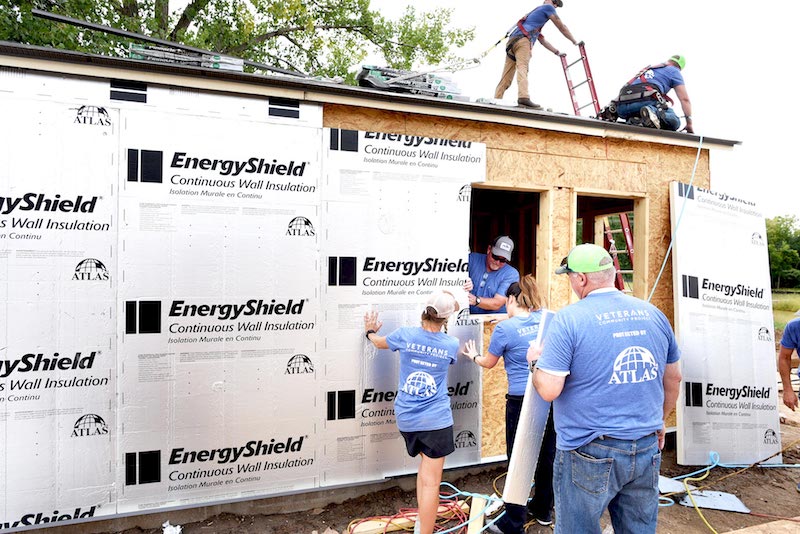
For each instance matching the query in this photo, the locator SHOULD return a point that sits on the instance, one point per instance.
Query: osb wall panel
(523, 169)
(493, 403)
(557, 162)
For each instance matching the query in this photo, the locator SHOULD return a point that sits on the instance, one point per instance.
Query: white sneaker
(650, 118)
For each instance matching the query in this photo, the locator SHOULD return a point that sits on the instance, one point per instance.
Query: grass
(784, 306)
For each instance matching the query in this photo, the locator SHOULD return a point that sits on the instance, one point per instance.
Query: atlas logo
(301, 227)
(764, 334)
(465, 193)
(90, 270)
(89, 425)
(92, 116)
(53, 517)
(142, 467)
(299, 364)
(757, 239)
(465, 319)
(465, 439)
(420, 384)
(771, 437)
(634, 365)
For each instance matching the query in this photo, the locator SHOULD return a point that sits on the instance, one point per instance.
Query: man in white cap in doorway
(489, 277)
(610, 366)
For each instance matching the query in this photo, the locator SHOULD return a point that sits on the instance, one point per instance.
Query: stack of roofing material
(405, 81)
(165, 54)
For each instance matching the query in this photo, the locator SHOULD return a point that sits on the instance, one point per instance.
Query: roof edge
(46, 59)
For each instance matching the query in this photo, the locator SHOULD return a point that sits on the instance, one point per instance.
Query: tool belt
(510, 46)
(639, 91)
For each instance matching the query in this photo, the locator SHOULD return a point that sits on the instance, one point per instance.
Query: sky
(740, 73)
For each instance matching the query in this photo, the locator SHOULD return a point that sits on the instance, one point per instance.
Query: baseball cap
(443, 304)
(680, 60)
(503, 246)
(586, 258)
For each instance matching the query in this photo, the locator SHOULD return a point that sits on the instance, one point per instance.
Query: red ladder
(589, 80)
(610, 245)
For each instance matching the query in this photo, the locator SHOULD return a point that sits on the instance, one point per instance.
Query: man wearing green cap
(644, 100)
(610, 366)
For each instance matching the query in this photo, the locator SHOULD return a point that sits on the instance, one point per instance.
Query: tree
(783, 241)
(318, 37)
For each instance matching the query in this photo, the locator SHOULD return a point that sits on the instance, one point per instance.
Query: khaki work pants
(522, 51)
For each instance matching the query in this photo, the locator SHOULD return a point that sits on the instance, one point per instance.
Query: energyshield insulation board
(723, 320)
(390, 200)
(181, 319)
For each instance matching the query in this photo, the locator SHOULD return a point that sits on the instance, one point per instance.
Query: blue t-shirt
(534, 21)
(511, 339)
(665, 78)
(422, 402)
(615, 348)
(791, 337)
(489, 283)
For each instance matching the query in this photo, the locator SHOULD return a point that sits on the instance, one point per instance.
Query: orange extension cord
(452, 513)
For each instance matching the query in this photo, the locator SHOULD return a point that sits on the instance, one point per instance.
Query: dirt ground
(767, 491)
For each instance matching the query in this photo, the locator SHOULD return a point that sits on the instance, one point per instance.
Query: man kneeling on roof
(643, 101)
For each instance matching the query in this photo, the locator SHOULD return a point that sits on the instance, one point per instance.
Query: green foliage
(783, 238)
(318, 37)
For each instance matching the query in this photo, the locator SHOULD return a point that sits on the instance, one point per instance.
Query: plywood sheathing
(493, 415)
(560, 166)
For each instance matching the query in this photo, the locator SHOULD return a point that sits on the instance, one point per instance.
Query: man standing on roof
(518, 49)
(490, 275)
(644, 98)
(610, 366)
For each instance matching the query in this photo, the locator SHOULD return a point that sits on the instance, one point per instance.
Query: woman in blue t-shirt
(510, 340)
(422, 407)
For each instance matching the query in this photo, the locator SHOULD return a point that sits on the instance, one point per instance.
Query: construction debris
(165, 54)
(405, 81)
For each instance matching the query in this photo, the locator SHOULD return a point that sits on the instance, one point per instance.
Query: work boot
(650, 118)
(527, 103)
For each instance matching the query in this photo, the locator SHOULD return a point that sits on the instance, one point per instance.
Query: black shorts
(431, 443)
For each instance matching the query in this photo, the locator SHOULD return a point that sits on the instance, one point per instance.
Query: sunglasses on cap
(565, 265)
(501, 259)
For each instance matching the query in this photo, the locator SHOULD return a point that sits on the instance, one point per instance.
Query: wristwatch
(477, 301)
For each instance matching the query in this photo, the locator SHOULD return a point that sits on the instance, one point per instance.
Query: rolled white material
(530, 431)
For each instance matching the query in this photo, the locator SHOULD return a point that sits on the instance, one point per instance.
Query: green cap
(586, 258)
(679, 59)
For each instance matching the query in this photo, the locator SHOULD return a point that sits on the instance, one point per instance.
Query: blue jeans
(618, 474)
(669, 119)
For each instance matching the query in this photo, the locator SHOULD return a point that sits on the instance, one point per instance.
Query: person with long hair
(422, 407)
(510, 341)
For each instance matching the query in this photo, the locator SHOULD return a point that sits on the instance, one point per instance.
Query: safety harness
(645, 90)
(525, 33)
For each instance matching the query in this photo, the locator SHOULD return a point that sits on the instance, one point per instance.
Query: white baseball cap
(443, 304)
